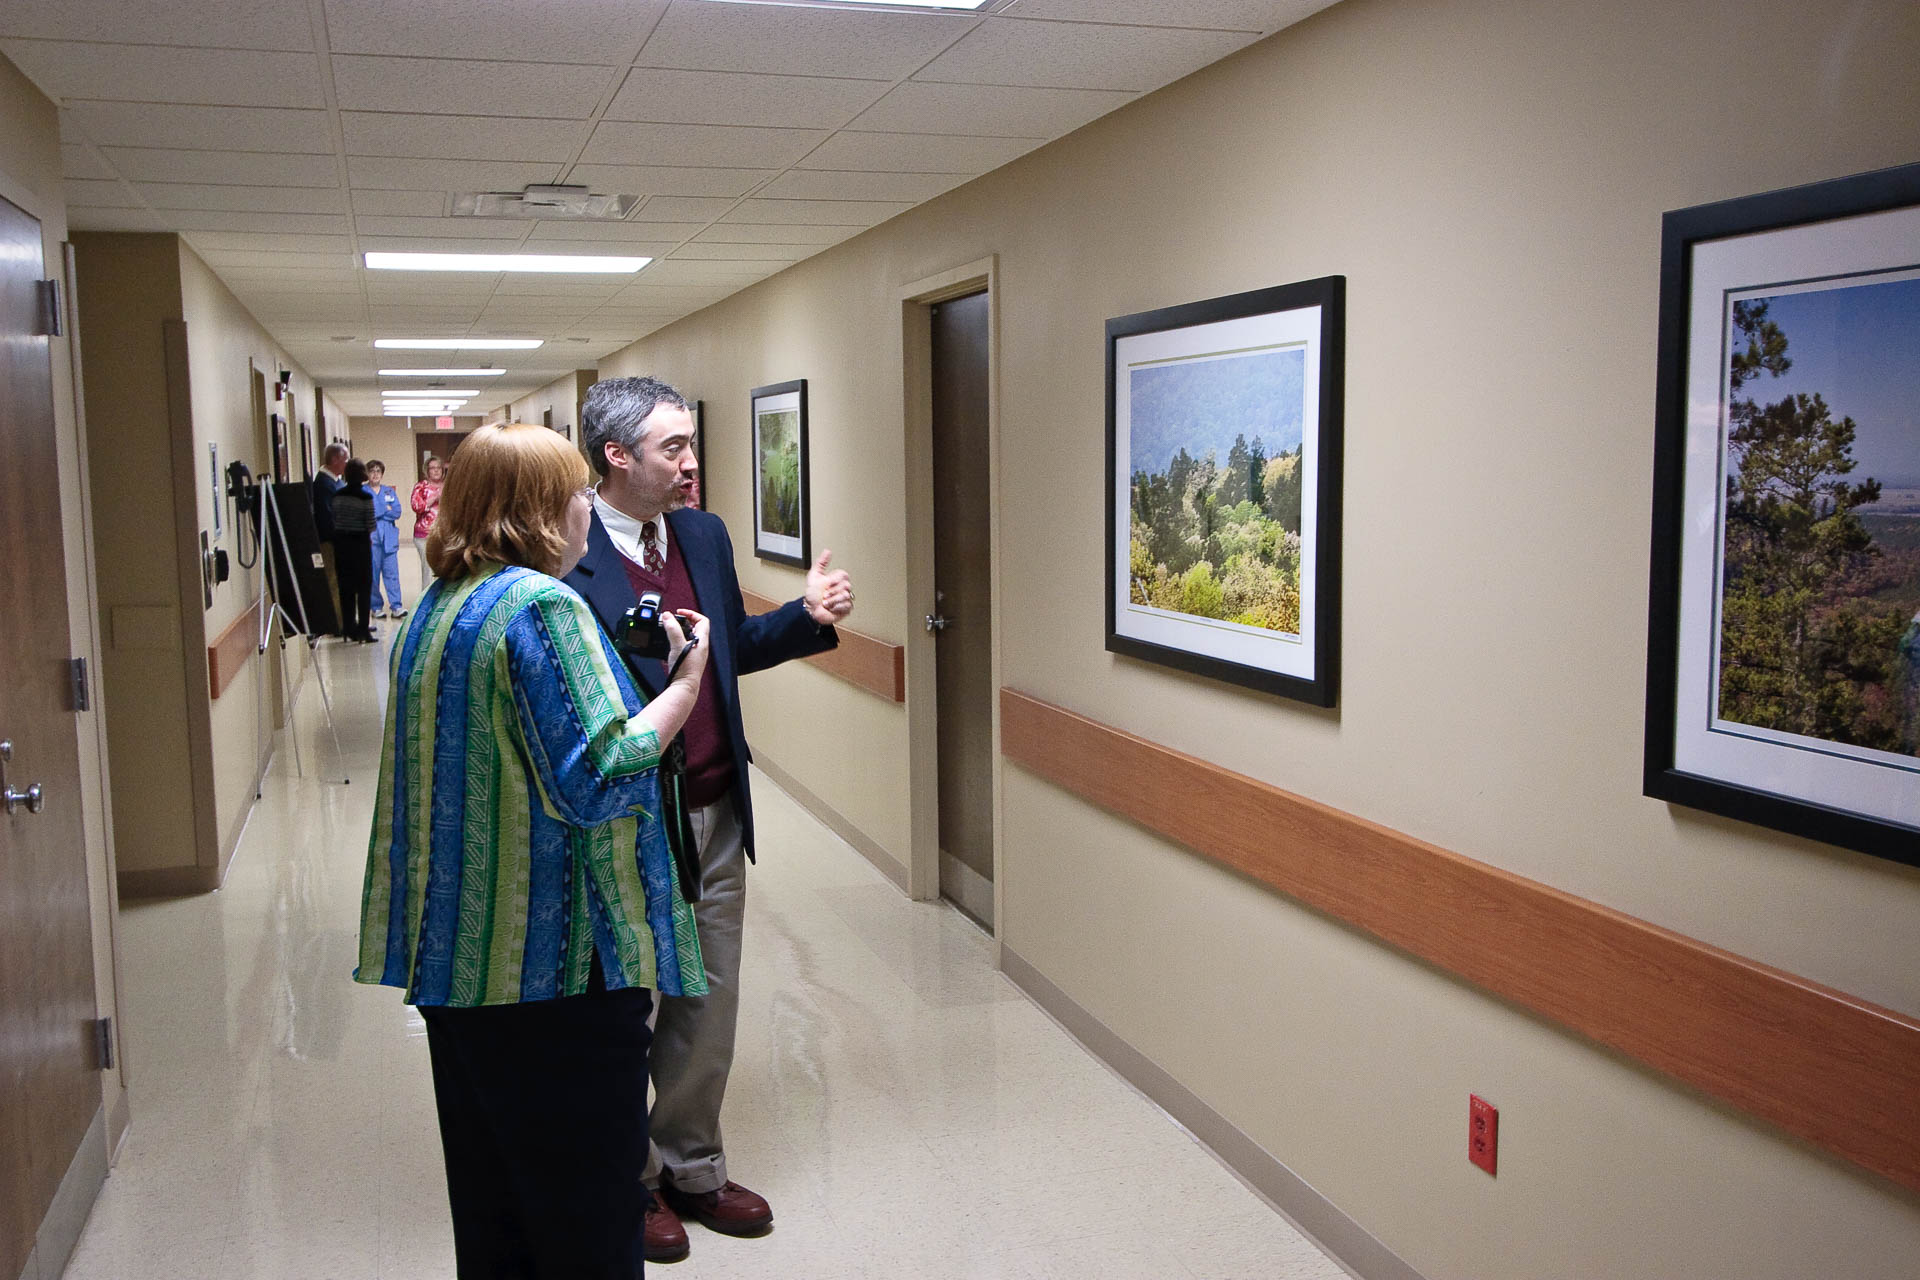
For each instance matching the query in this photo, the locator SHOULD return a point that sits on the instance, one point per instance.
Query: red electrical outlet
(1483, 1132)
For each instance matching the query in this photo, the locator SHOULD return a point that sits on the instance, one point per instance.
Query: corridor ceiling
(286, 138)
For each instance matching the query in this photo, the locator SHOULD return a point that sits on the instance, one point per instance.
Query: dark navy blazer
(741, 644)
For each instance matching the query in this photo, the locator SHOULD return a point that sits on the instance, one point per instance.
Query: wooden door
(963, 576)
(49, 1089)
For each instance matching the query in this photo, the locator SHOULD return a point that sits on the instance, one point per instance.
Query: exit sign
(443, 424)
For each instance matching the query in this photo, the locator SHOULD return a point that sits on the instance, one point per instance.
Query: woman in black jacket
(353, 552)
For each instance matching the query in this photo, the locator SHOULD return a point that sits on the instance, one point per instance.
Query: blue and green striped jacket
(516, 832)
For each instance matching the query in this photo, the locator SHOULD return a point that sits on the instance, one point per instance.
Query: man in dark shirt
(638, 434)
(327, 482)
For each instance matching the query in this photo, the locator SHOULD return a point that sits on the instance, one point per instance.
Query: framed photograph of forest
(1783, 663)
(1223, 487)
(780, 515)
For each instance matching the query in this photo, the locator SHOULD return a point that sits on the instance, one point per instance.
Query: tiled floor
(907, 1111)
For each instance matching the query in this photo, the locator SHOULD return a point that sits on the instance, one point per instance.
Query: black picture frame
(1267, 325)
(792, 542)
(1811, 244)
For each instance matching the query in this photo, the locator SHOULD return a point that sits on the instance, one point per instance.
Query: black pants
(353, 565)
(543, 1119)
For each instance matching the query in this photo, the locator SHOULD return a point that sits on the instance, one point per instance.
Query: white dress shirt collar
(624, 530)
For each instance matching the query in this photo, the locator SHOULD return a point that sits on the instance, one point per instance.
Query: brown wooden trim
(874, 665)
(1835, 1070)
(228, 655)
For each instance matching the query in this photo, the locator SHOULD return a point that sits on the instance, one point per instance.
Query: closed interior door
(49, 1089)
(963, 576)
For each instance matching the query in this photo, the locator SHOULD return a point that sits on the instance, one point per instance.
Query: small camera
(642, 634)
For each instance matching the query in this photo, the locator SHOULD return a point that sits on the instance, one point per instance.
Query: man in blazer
(638, 435)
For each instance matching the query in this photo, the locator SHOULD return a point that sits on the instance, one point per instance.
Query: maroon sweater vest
(710, 768)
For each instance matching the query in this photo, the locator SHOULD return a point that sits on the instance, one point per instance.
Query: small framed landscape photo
(1783, 657)
(780, 516)
(1223, 487)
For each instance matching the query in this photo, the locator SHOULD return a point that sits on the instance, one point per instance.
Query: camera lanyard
(678, 658)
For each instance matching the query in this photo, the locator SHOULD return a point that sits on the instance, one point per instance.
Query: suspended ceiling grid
(285, 138)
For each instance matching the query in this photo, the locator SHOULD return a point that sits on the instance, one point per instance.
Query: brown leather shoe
(732, 1210)
(666, 1237)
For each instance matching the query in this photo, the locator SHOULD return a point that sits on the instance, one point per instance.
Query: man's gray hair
(616, 412)
(335, 450)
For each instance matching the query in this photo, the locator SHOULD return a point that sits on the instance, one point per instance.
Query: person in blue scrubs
(386, 543)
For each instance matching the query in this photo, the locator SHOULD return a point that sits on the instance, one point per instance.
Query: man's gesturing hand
(829, 594)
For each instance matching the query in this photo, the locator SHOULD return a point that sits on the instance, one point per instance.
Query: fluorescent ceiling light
(432, 393)
(458, 344)
(552, 263)
(404, 413)
(441, 373)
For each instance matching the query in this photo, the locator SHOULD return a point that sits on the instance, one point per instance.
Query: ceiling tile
(449, 86)
(988, 110)
(916, 152)
(561, 288)
(411, 204)
(724, 97)
(618, 236)
(81, 161)
(148, 124)
(269, 258)
(1221, 15)
(837, 184)
(667, 180)
(238, 168)
(447, 228)
(82, 218)
(261, 199)
(699, 144)
(160, 73)
(213, 24)
(844, 212)
(581, 31)
(459, 137)
(1079, 55)
(799, 41)
(764, 233)
(277, 223)
(447, 175)
(206, 240)
(107, 195)
(429, 244)
(718, 252)
(629, 237)
(682, 209)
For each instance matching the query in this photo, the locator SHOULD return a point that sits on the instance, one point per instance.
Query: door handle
(32, 797)
(936, 623)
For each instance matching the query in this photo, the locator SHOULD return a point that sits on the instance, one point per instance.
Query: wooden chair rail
(874, 665)
(1839, 1072)
(228, 654)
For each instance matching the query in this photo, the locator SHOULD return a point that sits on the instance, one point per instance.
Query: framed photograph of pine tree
(1223, 487)
(781, 531)
(1783, 660)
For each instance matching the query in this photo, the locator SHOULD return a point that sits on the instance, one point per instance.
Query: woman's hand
(684, 629)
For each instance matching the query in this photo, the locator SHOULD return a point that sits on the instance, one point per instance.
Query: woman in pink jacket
(426, 508)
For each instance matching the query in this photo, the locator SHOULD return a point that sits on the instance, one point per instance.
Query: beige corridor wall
(224, 345)
(1489, 175)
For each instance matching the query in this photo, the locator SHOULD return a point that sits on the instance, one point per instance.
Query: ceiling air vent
(543, 200)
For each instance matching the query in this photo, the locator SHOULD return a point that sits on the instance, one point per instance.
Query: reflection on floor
(906, 1110)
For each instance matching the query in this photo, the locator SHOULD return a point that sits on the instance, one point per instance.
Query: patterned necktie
(656, 564)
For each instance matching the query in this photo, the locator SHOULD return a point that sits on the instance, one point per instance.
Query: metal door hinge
(77, 675)
(103, 1042)
(49, 308)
